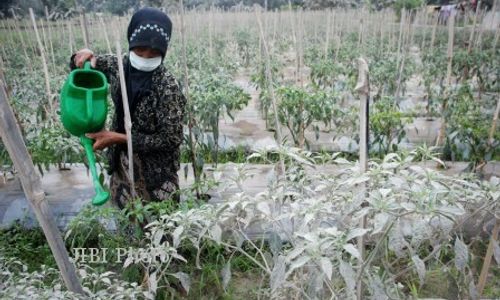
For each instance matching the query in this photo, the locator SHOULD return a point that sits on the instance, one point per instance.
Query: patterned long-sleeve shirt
(157, 131)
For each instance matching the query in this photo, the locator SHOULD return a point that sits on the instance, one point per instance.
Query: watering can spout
(101, 195)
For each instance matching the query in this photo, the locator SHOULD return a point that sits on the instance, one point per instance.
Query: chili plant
(212, 97)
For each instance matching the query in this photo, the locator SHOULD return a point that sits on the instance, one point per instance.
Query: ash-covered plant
(304, 229)
(17, 283)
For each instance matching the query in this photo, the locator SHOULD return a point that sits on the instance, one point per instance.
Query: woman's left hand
(105, 138)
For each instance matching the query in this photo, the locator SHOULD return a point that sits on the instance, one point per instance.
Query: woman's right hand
(81, 56)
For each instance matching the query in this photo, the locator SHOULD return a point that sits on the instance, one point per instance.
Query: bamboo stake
(105, 35)
(487, 258)
(405, 49)
(410, 23)
(127, 118)
(434, 27)
(71, 37)
(424, 29)
(494, 124)
(471, 36)
(85, 33)
(30, 180)
(31, 42)
(327, 39)
(44, 63)
(12, 42)
(50, 36)
(300, 38)
(451, 32)
(360, 33)
(210, 42)
(401, 31)
(391, 37)
(495, 40)
(363, 90)
(339, 42)
(269, 77)
(28, 60)
(481, 30)
(4, 54)
(192, 121)
(44, 36)
(3, 82)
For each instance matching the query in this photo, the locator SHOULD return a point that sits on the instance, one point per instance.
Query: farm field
(285, 193)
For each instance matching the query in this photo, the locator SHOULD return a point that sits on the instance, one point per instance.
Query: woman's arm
(169, 134)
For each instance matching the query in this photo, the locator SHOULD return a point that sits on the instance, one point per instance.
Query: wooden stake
(424, 29)
(44, 36)
(487, 258)
(126, 111)
(494, 125)
(85, 32)
(451, 32)
(434, 27)
(192, 121)
(495, 40)
(28, 60)
(481, 30)
(13, 141)
(400, 40)
(363, 90)
(471, 36)
(405, 49)
(71, 37)
(44, 63)
(50, 36)
(3, 82)
(105, 35)
(269, 77)
(327, 39)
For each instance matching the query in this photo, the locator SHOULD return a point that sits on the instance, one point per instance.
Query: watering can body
(84, 103)
(84, 108)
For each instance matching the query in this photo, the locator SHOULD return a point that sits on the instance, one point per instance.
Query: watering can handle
(87, 65)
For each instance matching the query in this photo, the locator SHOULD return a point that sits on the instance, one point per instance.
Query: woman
(156, 107)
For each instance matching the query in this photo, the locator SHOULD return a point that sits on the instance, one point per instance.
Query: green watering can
(84, 108)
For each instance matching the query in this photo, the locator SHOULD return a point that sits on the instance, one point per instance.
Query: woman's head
(149, 33)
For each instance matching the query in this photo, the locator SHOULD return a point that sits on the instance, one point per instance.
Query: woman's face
(146, 52)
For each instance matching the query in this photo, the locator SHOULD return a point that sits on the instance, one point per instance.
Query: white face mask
(144, 64)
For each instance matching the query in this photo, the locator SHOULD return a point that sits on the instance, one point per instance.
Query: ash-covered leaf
(184, 279)
(397, 243)
(496, 251)
(299, 262)
(176, 236)
(326, 267)
(420, 266)
(152, 283)
(377, 289)
(357, 232)
(278, 274)
(473, 293)
(351, 249)
(379, 222)
(349, 276)
(226, 275)
(461, 254)
(264, 208)
(216, 233)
